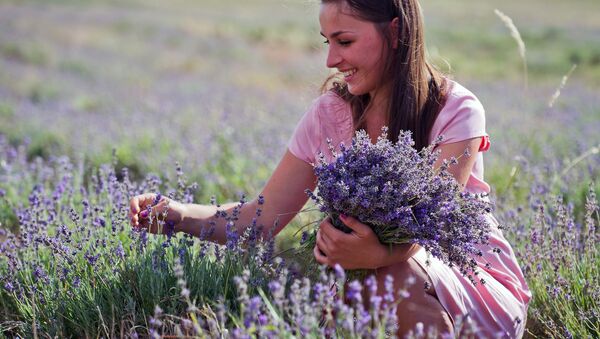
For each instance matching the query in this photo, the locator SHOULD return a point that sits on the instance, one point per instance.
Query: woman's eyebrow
(334, 34)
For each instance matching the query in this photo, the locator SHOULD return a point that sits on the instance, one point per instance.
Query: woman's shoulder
(459, 96)
(461, 117)
(330, 105)
(333, 113)
(328, 118)
(328, 108)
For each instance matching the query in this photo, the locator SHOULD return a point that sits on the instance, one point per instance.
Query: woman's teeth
(349, 73)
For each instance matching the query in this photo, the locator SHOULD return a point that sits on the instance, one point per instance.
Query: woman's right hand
(165, 214)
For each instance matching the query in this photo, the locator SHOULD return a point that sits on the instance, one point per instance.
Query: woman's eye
(340, 42)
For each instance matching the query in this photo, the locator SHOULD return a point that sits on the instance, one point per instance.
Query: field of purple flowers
(101, 100)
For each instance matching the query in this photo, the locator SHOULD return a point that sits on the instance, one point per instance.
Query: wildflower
(187, 323)
(231, 235)
(339, 272)
(40, 275)
(263, 320)
(353, 293)
(275, 287)
(119, 251)
(8, 286)
(218, 254)
(304, 238)
(419, 330)
(389, 289)
(99, 222)
(91, 259)
(394, 189)
(371, 284)
(155, 322)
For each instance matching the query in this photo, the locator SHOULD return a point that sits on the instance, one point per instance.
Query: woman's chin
(354, 90)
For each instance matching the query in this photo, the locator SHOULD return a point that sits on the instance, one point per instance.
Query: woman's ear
(394, 28)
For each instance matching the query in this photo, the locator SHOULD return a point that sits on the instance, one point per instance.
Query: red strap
(485, 144)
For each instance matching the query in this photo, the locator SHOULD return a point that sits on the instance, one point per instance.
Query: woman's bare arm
(284, 196)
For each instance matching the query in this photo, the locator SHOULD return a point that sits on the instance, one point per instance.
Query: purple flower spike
(353, 293)
(339, 272)
(395, 190)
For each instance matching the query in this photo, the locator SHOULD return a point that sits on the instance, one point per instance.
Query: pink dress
(498, 307)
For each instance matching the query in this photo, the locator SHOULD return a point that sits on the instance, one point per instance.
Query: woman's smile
(349, 74)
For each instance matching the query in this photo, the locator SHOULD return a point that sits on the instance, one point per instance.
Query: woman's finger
(134, 210)
(321, 259)
(327, 228)
(357, 227)
(321, 244)
(142, 208)
(324, 239)
(160, 209)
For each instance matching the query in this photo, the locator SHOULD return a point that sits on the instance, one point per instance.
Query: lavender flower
(9, 287)
(395, 189)
(339, 273)
(353, 293)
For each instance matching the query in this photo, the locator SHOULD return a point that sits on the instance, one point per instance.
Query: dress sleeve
(306, 138)
(461, 118)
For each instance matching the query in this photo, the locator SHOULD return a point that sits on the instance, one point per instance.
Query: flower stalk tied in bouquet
(395, 190)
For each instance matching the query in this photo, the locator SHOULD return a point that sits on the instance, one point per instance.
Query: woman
(378, 48)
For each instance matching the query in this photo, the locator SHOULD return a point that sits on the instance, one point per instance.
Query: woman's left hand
(357, 250)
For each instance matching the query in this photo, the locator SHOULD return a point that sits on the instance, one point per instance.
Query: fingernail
(343, 216)
(144, 214)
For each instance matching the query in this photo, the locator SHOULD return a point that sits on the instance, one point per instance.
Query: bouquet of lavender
(395, 189)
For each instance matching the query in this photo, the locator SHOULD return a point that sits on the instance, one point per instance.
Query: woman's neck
(377, 113)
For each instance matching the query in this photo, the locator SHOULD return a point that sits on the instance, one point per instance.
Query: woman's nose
(333, 58)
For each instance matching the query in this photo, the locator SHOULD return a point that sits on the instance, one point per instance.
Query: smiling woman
(395, 78)
(383, 80)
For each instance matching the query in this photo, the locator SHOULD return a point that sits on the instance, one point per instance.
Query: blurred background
(219, 85)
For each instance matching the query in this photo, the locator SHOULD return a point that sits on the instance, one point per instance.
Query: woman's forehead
(338, 16)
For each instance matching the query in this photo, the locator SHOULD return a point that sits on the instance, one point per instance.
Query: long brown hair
(418, 89)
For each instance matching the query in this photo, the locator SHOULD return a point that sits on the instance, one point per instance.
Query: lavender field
(102, 100)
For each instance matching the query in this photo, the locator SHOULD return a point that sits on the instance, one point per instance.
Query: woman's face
(356, 47)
